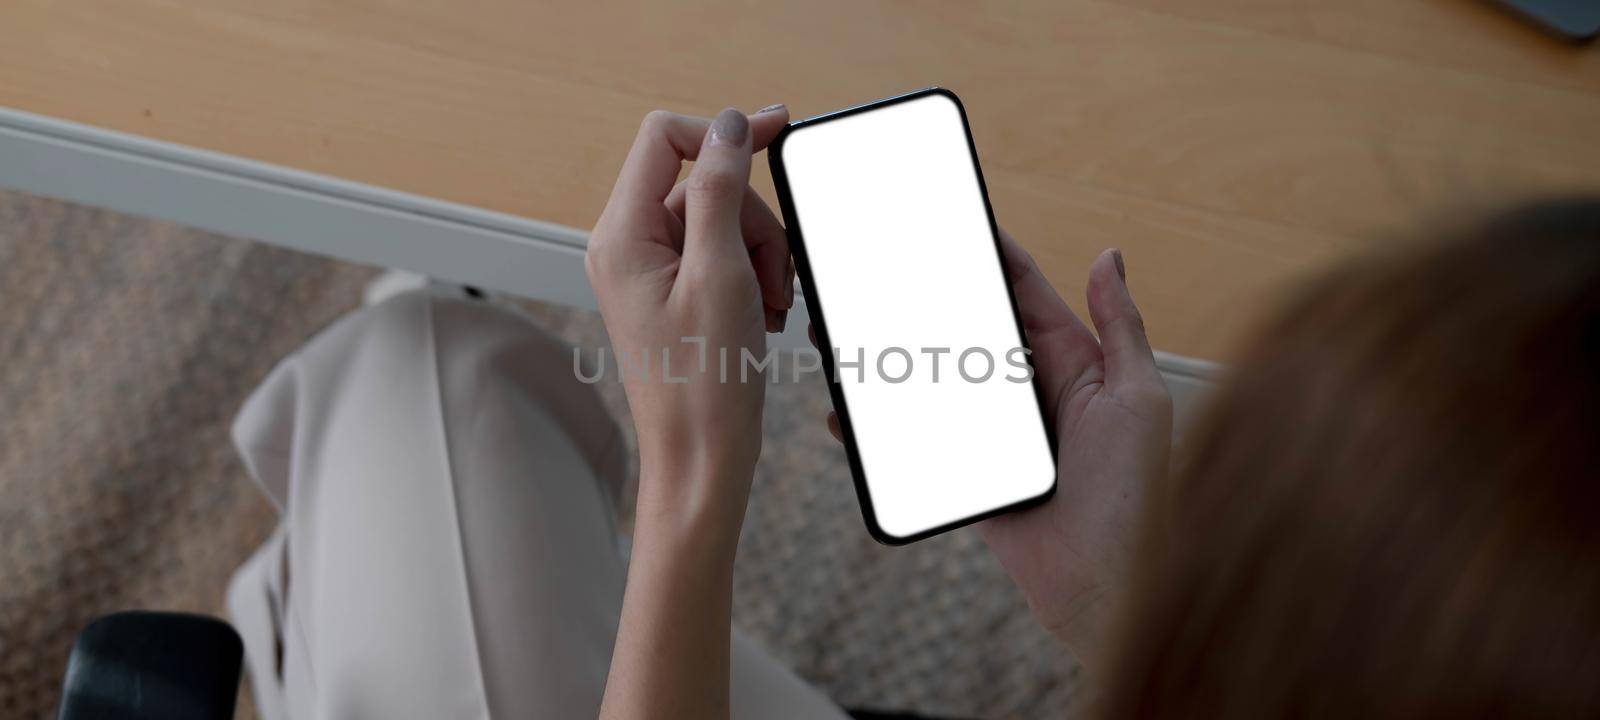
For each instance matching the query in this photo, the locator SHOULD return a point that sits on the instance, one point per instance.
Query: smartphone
(899, 257)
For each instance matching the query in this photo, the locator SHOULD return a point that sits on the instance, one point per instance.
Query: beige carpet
(126, 346)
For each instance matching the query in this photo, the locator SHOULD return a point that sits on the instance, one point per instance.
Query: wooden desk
(1226, 145)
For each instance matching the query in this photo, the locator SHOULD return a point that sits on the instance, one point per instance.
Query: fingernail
(1122, 270)
(770, 108)
(730, 128)
(783, 320)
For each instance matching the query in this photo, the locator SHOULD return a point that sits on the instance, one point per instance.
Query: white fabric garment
(447, 547)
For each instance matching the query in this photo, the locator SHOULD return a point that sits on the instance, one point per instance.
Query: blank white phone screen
(906, 270)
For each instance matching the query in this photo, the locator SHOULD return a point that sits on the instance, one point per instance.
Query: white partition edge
(342, 219)
(290, 208)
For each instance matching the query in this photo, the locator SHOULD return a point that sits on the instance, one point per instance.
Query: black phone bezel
(819, 324)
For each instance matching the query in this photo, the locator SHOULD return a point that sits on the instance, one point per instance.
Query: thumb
(1128, 359)
(714, 190)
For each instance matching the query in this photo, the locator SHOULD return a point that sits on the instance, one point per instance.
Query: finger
(769, 250)
(788, 281)
(765, 125)
(1128, 358)
(788, 290)
(664, 141)
(764, 238)
(1065, 354)
(713, 196)
(833, 417)
(1041, 307)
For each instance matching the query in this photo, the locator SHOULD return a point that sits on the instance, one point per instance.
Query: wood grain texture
(1227, 146)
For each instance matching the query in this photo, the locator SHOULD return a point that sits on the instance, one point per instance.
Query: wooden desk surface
(1226, 145)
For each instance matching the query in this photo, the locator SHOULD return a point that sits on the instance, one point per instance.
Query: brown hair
(1393, 508)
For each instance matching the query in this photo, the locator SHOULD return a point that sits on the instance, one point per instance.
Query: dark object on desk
(149, 665)
(1576, 20)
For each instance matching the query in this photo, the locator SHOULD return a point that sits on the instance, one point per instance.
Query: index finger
(1066, 354)
(1041, 307)
(665, 140)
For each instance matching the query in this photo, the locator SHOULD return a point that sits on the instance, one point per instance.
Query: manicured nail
(770, 108)
(783, 319)
(730, 128)
(1122, 270)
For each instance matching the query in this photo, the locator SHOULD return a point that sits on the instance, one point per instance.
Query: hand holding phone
(1113, 422)
(1105, 406)
(895, 243)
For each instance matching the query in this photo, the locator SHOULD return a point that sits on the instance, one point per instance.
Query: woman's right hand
(1113, 422)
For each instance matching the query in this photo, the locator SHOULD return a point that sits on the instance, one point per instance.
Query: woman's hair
(1393, 508)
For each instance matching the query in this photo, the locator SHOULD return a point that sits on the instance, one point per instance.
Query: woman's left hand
(688, 274)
